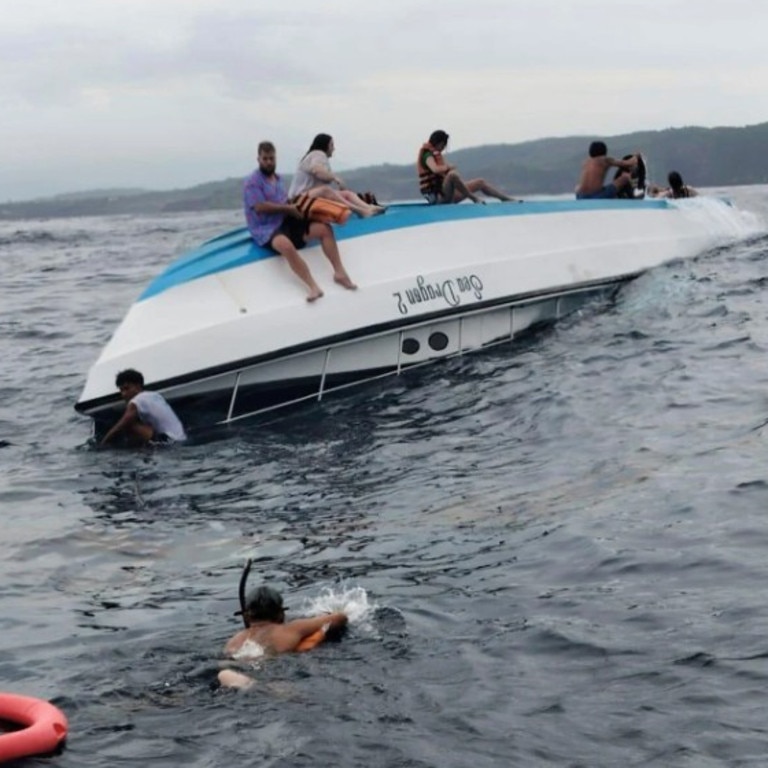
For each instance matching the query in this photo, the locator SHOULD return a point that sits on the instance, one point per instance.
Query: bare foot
(345, 281)
(478, 200)
(228, 678)
(314, 294)
(379, 209)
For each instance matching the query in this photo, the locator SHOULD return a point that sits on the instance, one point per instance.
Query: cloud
(169, 92)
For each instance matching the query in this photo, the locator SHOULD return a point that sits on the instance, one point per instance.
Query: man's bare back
(297, 635)
(593, 171)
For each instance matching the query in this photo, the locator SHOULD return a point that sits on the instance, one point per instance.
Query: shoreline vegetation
(709, 157)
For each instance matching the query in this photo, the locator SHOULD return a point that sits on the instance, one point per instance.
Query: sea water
(555, 552)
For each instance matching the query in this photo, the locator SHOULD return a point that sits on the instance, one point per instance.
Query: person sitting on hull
(148, 418)
(267, 632)
(315, 178)
(592, 184)
(279, 225)
(440, 182)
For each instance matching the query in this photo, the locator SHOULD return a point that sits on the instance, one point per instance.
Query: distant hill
(704, 156)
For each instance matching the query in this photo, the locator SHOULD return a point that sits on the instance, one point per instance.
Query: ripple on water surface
(561, 547)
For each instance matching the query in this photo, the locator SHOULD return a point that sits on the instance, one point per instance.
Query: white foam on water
(352, 600)
(249, 650)
(719, 216)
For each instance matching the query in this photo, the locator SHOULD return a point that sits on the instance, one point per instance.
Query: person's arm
(287, 208)
(256, 198)
(130, 416)
(322, 172)
(299, 631)
(625, 165)
(317, 165)
(435, 167)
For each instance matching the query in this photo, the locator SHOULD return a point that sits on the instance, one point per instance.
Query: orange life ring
(45, 727)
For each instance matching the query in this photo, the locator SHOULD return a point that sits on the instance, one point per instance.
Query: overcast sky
(169, 93)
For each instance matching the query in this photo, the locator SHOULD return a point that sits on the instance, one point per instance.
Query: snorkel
(241, 589)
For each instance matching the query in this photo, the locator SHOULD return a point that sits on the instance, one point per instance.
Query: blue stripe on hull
(236, 248)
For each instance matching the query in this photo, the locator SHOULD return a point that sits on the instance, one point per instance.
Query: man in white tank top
(148, 418)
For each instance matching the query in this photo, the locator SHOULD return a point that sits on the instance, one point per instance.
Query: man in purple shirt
(277, 224)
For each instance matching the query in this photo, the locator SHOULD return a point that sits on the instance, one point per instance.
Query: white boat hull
(225, 332)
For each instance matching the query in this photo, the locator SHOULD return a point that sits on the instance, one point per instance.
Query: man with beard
(277, 224)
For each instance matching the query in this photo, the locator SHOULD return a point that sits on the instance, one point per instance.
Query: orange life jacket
(322, 209)
(430, 183)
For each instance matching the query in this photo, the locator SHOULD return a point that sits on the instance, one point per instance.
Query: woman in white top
(314, 177)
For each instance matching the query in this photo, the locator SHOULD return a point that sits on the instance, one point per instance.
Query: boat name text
(450, 291)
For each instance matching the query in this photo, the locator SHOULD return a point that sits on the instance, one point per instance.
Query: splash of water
(352, 600)
(718, 215)
(250, 650)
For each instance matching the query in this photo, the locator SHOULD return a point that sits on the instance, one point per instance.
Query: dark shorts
(294, 229)
(434, 198)
(160, 438)
(608, 192)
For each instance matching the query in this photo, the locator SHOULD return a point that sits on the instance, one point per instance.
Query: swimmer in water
(267, 632)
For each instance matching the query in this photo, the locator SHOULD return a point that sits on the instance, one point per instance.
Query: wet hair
(676, 184)
(322, 141)
(262, 604)
(129, 376)
(266, 146)
(438, 137)
(598, 149)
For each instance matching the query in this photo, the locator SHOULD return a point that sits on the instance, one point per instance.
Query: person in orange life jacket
(440, 182)
(148, 418)
(278, 224)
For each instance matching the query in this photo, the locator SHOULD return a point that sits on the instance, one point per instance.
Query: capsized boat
(225, 331)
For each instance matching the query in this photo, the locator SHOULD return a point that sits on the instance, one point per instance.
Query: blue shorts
(608, 192)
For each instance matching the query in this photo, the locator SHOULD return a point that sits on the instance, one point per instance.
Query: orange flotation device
(322, 209)
(310, 641)
(45, 727)
(430, 183)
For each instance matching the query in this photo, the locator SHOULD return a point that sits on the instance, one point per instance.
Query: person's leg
(481, 185)
(140, 433)
(228, 678)
(282, 245)
(354, 201)
(623, 184)
(343, 197)
(455, 190)
(324, 233)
